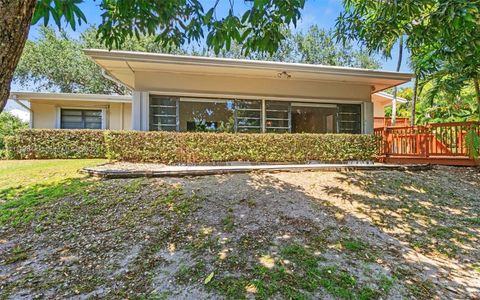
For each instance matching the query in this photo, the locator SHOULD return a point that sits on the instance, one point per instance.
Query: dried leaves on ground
(353, 235)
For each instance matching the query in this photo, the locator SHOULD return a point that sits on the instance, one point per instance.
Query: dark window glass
(350, 118)
(80, 119)
(207, 115)
(277, 116)
(163, 113)
(314, 119)
(248, 116)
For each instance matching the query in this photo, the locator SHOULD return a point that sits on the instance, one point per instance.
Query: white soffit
(123, 64)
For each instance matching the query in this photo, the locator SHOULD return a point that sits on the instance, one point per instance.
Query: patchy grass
(228, 222)
(354, 245)
(18, 253)
(21, 174)
(296, 273)
(262, 236)
(27, 184)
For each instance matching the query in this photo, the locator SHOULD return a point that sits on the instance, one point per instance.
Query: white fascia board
(390, 97)
(243, 63)
(71, 97)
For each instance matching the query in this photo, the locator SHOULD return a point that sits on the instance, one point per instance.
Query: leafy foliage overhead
(58, 10)
(178, 22)
(449, 55)
(443, 37)
(55, 61)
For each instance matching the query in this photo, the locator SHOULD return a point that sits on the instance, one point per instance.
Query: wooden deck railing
(387, 122)
(432, 140)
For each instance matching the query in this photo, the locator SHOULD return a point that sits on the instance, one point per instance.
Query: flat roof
(389, 97)
(122, 65)
(69, 97)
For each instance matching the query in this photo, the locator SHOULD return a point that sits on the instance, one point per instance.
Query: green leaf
(472, 143)
(208, 16)
(209, 278)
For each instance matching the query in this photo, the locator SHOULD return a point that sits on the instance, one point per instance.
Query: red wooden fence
(432, 141)
(387, 122)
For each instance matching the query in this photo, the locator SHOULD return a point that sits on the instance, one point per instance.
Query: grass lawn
(312, 235)
(25, 184)
(19, 174)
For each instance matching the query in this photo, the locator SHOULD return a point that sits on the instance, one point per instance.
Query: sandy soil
(368, 235)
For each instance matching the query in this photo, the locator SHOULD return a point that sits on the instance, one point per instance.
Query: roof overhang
(387, 98)
(70, 97)
(122, 65)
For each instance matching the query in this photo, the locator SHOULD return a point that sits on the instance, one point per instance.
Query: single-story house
(192, 93)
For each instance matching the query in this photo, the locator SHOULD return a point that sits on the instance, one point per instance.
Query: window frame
(305, 102)
(149, 115)
(58, 119)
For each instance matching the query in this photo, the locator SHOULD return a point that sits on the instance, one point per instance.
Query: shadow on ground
(284, 235)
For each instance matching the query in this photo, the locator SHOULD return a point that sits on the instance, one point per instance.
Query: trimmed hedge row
(169, 147)
(191, 148)
(55, 143)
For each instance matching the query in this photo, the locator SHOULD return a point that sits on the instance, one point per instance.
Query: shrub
(172, 147)
(190, 148)
(55, 143)
(9, 124)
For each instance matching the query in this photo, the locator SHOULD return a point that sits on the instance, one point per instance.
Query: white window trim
(254, 97)
(58, 113)
(321, 105)
(206, 100)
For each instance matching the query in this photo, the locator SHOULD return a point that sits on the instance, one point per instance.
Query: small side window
(80, 119)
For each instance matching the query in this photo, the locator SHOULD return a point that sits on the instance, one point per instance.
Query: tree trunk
(16, 17)
(414, 102)
(477, 92)
(399, 64)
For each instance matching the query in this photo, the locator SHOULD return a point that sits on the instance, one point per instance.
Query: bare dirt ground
(309, 235)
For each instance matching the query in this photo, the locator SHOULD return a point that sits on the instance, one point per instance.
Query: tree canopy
(257, 27)
(55, 61)
(443, 37)
(443, 108)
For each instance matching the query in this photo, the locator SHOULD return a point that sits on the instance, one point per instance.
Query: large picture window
(211, 115)
(314, 118)
(80, 119)
(251, 116)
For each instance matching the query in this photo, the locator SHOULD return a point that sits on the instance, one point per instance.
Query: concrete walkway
(132, 170)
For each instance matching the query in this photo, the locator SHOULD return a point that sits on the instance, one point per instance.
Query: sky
(322, 13)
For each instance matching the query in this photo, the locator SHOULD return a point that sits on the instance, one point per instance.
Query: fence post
(428, 140)
(386, 139)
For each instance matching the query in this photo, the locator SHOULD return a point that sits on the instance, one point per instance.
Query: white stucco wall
(45, 113)
(256, 87)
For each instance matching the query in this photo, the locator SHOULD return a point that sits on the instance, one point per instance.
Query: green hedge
(172, 147)
(169, 147)
(55, 143)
